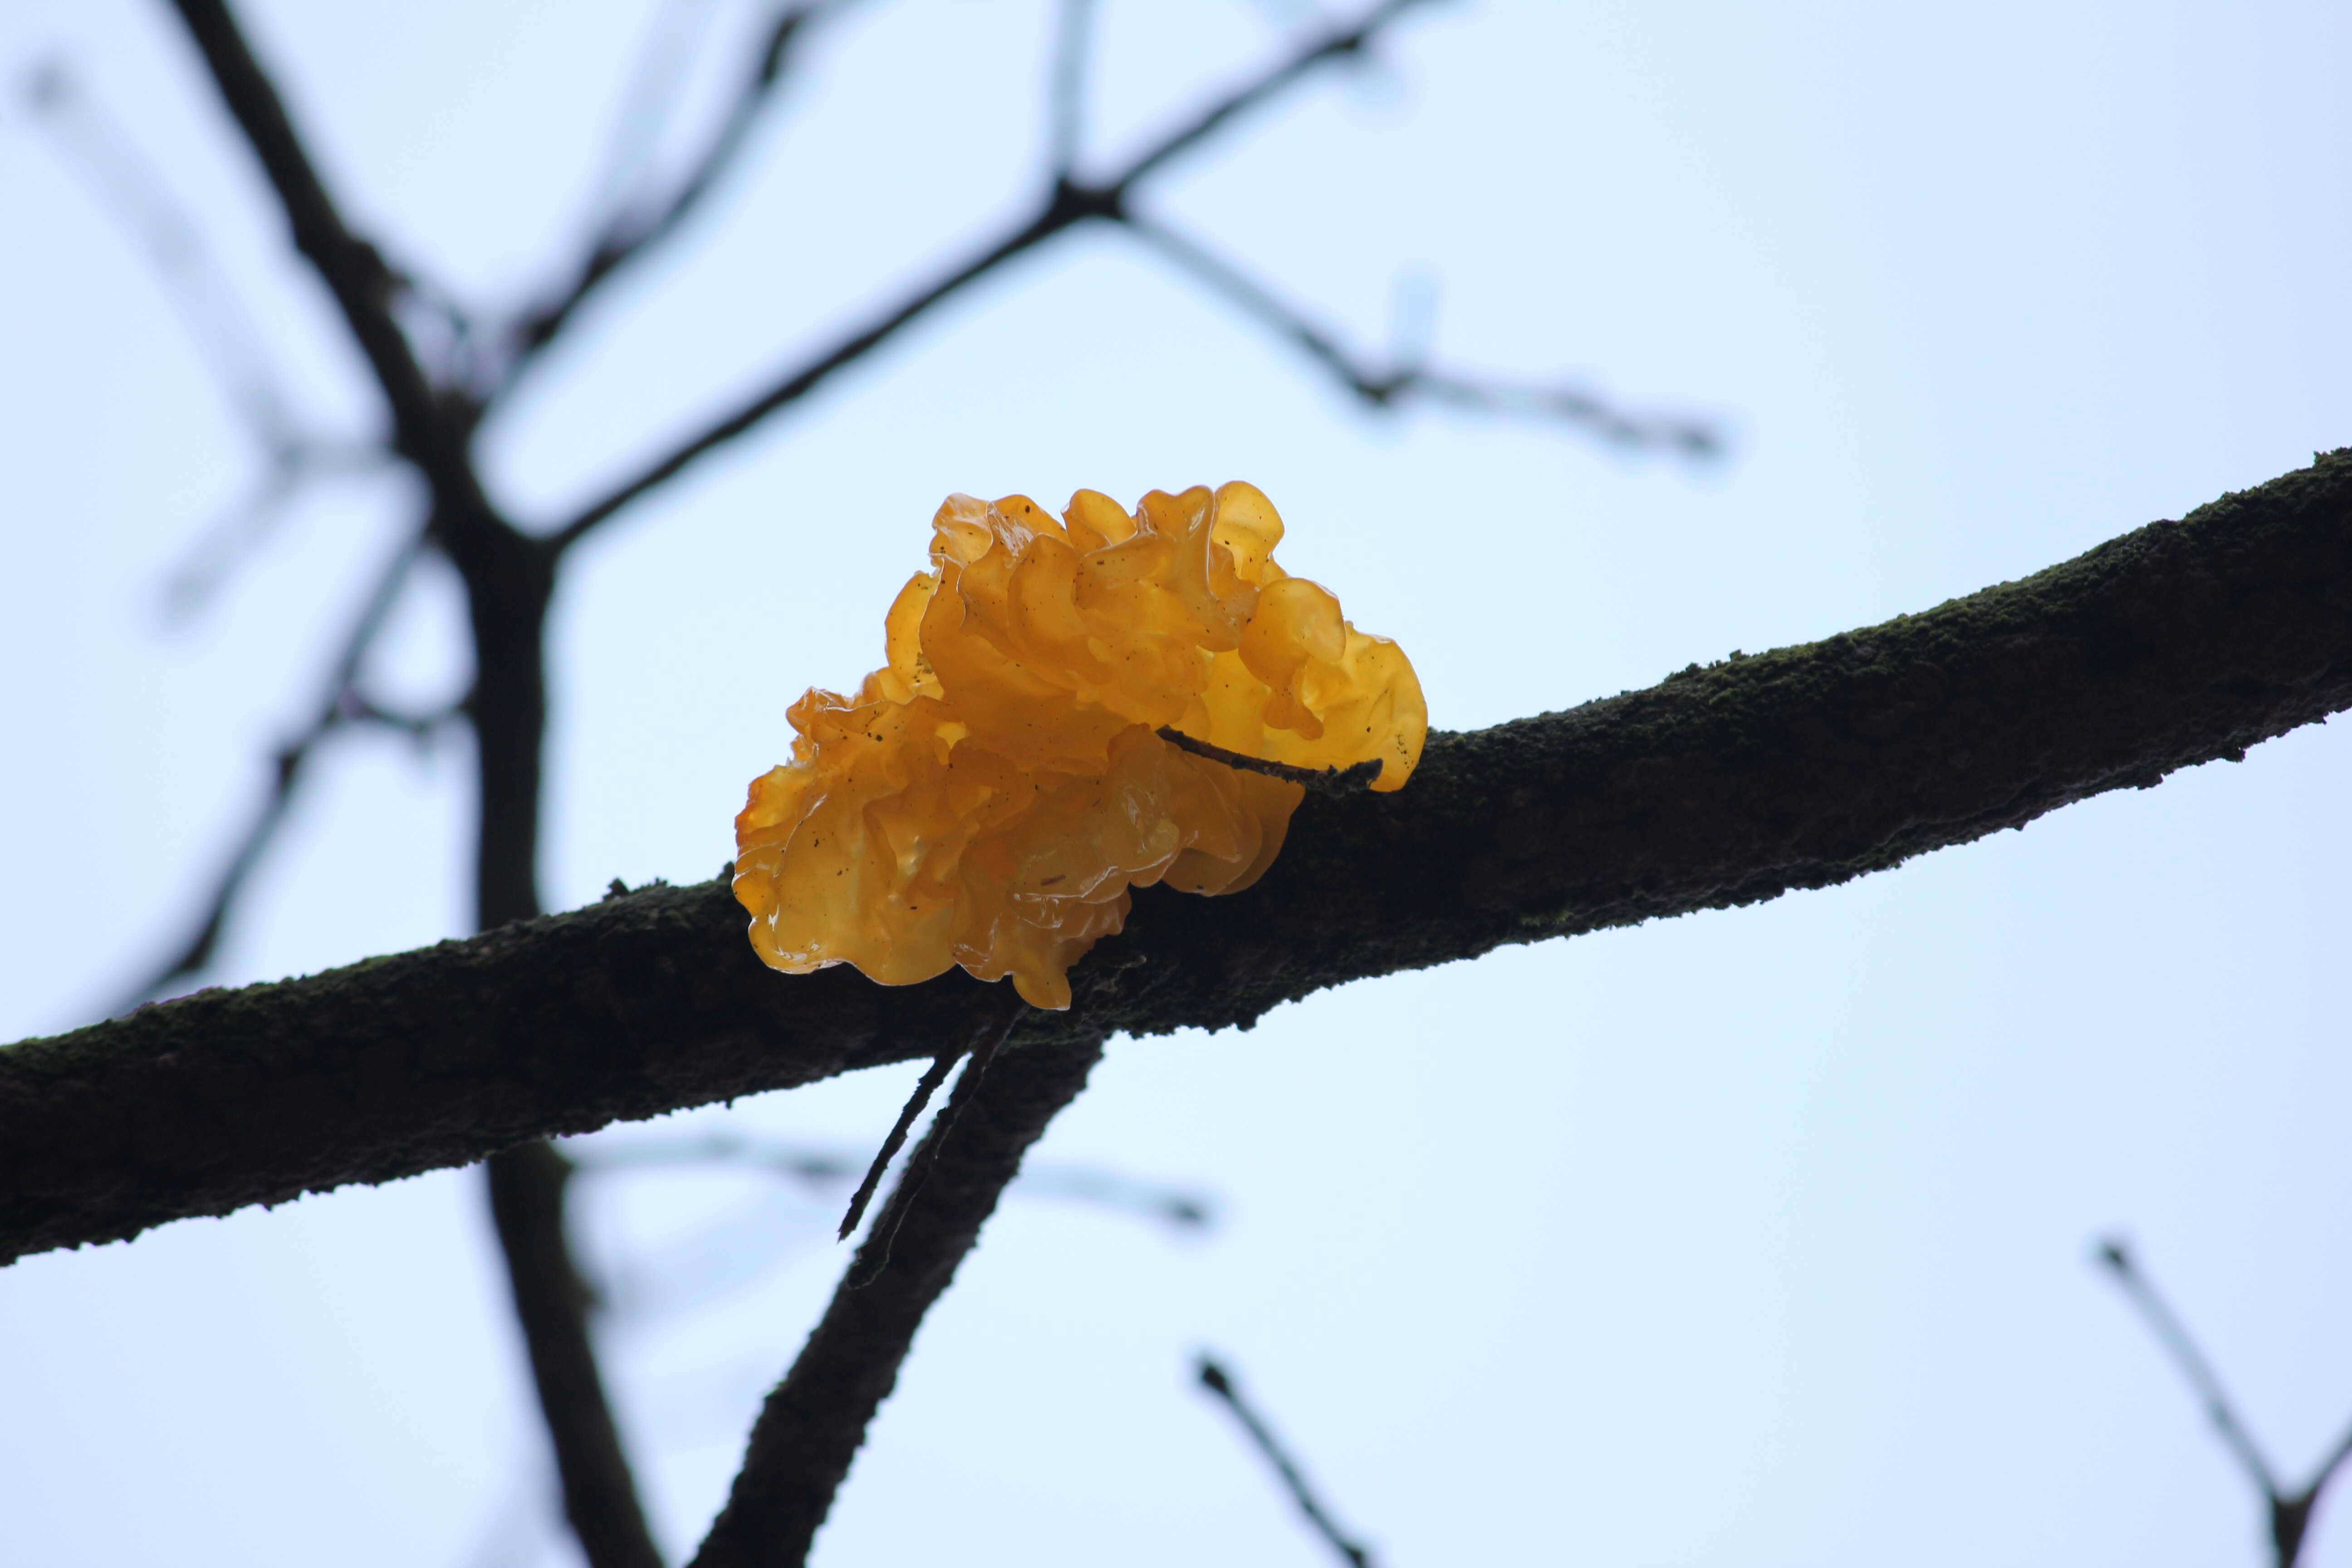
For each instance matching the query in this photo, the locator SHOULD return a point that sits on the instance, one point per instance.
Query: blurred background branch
(2289, 1511)
(1220, 1383)
(638, 222)
(341, 705)
(551, 1305)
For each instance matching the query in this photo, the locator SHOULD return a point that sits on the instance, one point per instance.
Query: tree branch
(1341, 43)
(1066, 205)
(339, 705)
(879, 1165)
(2174, 1336)
(2290, 1514)
(1402, 383)
(800, 382)
(814, 1423)
(640, 228)
(823, 1169)
(2172, 645)
(355, 273)
(1315, 781)
(600, 1495)
(1217, 1381)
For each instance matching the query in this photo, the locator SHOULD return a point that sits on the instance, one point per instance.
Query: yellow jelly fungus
(990, 795)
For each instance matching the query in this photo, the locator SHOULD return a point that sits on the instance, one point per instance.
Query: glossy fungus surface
(990, 794)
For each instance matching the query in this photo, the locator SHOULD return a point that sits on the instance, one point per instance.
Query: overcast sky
(1756, 1237)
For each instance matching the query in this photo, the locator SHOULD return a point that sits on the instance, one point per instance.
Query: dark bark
(509, 581)
(2173, 645)
(814, 1422)
(527, 1192)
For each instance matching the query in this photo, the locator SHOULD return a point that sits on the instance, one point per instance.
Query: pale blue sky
(1758, 1237)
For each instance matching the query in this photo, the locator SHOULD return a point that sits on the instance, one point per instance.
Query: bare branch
(600, 1495)
(1404, 382)
(359, 708)
(2192, 1362)
(1341, 43)
(873, 1259)
(640, 226)
(812, 1425)
(1171, 1206)
(826, 1169)
(364, 285)
(1217, 1381)
(1322, 781)
(2178, 643)
(926, 1086)
(339, 705)
(1067, 204)
(2290, 1515)
(1066, 126)
(806, 378)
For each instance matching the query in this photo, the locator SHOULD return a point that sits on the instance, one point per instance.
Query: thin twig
(640, 226)
(1341, 43)
(335, 708)
(872, 1260)
(1322, 781)
(824, 1169)
(2290, 1512)
(1402, 383)
(551, 1304)
(806, 378)
(2192, 1362)
(933, 1076)
(359, 708)
(812, 1425)
(1217, 1381)
(1066, 205)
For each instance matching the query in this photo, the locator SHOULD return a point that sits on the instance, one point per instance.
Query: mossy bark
(2176, 645)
